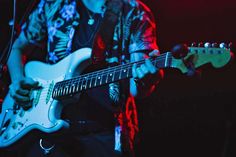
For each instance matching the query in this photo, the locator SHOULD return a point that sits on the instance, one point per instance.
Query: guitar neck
(104, 76)
(195, 57)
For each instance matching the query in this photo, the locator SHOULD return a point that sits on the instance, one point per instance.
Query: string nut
(193, 44)
(201, 44)
(230, 45)
(215, 45)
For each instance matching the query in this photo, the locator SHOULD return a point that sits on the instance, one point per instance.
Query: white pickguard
(45, 112)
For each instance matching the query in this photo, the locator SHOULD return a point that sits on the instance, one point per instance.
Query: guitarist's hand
(20, 91)
(146, 74)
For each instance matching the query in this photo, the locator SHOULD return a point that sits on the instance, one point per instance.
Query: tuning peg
(201, 44)
(207, 45)
(179, 51)
(230, 45)
(193, 44)
(215, 45)
(223, 45)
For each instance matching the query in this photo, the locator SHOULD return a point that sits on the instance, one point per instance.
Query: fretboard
(105, 76)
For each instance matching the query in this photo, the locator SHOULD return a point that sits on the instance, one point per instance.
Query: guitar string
(102, 73)
(119, 67)
(81, 78)
(160, 57)
(105, 72)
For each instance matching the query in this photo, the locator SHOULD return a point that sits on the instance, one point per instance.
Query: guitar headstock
(218, 55)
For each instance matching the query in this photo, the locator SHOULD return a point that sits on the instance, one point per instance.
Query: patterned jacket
(54, 22)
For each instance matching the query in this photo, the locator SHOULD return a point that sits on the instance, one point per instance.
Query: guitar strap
(103, 39)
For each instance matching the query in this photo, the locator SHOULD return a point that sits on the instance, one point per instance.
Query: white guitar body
(45, 112)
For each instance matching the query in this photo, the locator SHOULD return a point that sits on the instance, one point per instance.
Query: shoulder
(137, 4)
(43, 3)
(137, 10)
(48, 8)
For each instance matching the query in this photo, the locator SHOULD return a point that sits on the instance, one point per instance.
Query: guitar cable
(45, 150)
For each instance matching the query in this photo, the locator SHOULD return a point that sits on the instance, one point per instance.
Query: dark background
(185, 116)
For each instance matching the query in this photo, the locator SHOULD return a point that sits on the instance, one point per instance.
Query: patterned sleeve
(143, 36)
(34, 28)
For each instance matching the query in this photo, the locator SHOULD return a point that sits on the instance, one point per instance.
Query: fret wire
(73, 88)
(81, 85)
(80, 81)
(63, 91)
(96, 80)
(91, 80)
(66, 91)
(69, 89)
(59, 92)
(86, 82)
(114, 74)
(127, 75)
(77, 87)
(107, 76)
(101, 77)
(120, 73)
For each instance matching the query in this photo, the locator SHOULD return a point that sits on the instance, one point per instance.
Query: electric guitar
(64, 79)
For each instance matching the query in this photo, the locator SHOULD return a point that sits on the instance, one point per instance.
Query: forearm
(145, 76)
(15, 65)
(138, 91)
(146, 87)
